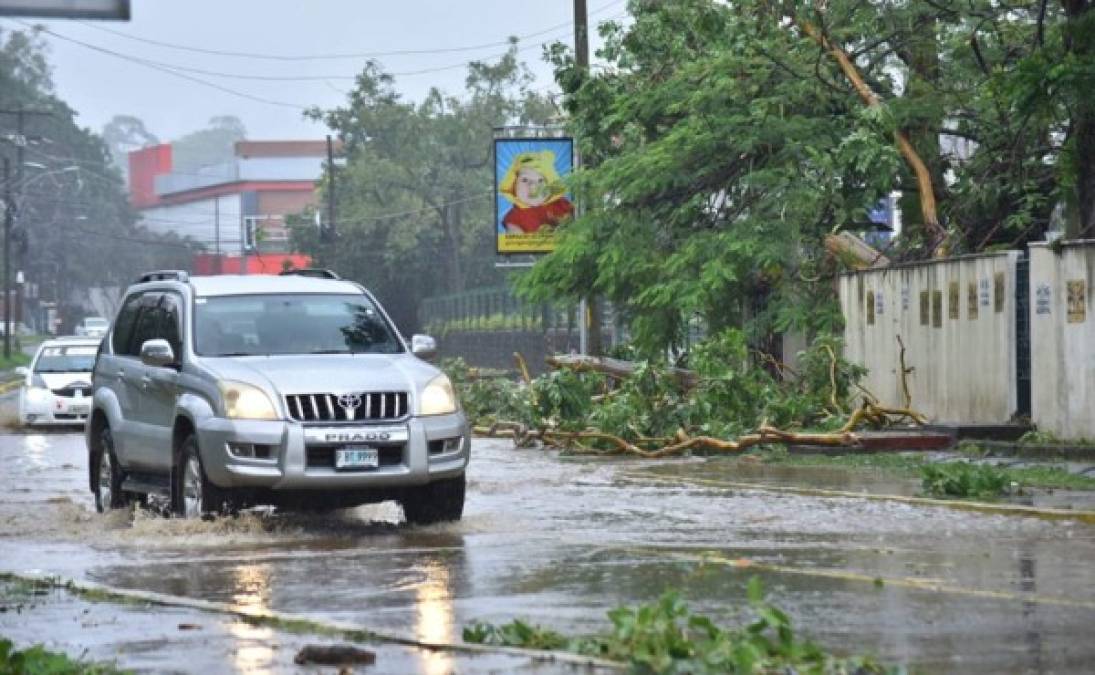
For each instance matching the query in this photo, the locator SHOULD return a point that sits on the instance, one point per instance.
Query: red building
(235, 210)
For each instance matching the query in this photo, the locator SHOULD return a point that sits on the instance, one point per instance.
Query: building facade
(236, 210)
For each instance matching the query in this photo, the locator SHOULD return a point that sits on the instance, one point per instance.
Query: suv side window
(123, 325)
(169, 323)
(147, 325)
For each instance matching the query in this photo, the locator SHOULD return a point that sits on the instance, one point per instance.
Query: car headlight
(246, 402)
(438, 397)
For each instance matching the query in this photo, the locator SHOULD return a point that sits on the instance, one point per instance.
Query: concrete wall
(1062, 323)
(957, 319)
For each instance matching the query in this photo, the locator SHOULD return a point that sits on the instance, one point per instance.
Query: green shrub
(665, 637)
(38, 661)
(964, 481)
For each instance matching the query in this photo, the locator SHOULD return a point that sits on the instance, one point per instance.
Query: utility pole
(331, 230)
(590, 309)
(217, 232)
(9, 216)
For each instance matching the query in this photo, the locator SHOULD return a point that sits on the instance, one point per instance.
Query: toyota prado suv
(223, 392)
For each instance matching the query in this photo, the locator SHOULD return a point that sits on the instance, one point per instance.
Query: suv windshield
(290, 323)
(74, 359)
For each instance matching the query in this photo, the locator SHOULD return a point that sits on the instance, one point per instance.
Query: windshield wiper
(226, 354)
(331, 351)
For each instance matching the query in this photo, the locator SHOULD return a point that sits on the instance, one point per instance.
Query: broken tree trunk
(920, 169)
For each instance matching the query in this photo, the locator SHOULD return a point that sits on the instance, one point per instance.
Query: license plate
(79, 409)
(357, 457)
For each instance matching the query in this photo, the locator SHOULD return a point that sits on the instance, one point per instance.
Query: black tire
(193, 495)
(437, 502)
(106, 481)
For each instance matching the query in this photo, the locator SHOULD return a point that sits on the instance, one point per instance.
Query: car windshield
(290, 323)
(67, 359)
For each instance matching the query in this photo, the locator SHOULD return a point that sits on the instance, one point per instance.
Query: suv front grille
(363, 407)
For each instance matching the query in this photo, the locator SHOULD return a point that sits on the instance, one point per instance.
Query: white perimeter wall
(1062, 354)
(964, 358)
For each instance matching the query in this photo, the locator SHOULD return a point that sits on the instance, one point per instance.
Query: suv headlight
(246, 402)
(437, 397)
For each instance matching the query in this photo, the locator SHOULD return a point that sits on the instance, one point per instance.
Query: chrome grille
(366, 406)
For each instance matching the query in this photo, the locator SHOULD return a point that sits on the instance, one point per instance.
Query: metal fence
(486, 326)
(495, 308)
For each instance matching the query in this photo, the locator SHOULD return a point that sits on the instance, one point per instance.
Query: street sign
(67, 9)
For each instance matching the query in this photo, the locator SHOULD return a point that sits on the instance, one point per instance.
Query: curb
(1045, 513)
(300, 623)
(10, 385)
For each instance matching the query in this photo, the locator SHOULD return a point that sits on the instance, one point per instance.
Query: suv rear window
(291, 323)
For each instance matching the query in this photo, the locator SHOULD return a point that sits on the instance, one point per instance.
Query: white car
(93, 326)
(57, 389)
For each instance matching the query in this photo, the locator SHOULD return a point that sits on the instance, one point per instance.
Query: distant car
(57, 389)
(93, 326)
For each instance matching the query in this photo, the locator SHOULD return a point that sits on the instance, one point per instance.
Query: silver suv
(223, 392)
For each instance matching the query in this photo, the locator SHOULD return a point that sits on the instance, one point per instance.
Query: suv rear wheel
(192, 494)
(436, 502)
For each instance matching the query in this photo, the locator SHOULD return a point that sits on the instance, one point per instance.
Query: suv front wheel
(436, 502)
(192, 494)
(106, 475)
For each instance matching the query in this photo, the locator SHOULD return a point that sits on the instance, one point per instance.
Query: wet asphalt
(561, 541)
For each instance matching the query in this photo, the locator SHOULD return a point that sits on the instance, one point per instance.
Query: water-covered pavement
(561, 541)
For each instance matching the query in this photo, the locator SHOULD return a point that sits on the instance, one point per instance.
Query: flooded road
(561, 541)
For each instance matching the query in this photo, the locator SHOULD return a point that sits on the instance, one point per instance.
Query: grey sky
(99, 85)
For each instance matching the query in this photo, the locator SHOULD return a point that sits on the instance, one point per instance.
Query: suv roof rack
(164, 275)
(314, 272)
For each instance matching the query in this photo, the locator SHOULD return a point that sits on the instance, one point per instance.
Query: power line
(334, 57)
(148, 64)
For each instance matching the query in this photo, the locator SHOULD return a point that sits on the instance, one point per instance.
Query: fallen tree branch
(615, 368)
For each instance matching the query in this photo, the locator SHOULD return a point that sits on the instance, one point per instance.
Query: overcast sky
(100, 85)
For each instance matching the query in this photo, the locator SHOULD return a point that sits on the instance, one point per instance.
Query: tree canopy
(72, 215)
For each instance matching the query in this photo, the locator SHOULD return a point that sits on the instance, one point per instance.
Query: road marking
(979, 507)
(292, 622)
(5, 387)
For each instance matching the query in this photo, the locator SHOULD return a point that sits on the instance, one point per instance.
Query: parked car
(57, 385)
(223, 392)
(92, 326)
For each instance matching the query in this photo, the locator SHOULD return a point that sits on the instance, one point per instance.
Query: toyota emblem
(349, 401)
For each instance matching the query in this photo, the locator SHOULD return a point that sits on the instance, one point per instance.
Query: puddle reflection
(253, 652)
(434, 618)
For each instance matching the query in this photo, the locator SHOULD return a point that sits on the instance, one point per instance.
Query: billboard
(530, 198)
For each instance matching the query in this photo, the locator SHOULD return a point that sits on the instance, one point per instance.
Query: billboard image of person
(531, 199)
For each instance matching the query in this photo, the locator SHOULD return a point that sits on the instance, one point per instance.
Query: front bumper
(297, 453)
(38, 407)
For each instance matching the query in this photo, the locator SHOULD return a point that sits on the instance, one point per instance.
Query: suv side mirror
(423, 346)
(157, 353)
